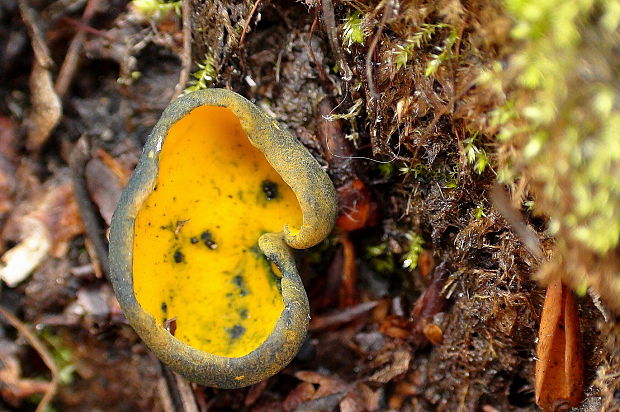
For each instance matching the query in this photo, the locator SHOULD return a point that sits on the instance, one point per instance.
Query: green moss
(444, 55)
(559, 130)
(475, 155)
(204, 76)
(567, 128)
(353, 30)
(416, 243)
(63, 358)
(404, 52)
(156, 9)
(380, 258)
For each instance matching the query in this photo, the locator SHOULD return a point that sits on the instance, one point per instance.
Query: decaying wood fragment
(559, 368)
(51, 220)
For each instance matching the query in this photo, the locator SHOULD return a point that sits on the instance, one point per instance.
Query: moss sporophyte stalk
(201, 239)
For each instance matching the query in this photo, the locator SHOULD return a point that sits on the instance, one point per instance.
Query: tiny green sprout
(405, 169)
(386, 170)
(403, 53)
(63, 358)
(529, 205)
(376, 250)
(353, 30)
(582, 289)
(452, 178)
(417, 170)
(156, 9)
(380, 258)
(135, 75)
(479, 211)
(204, 76)
(416, 243)
(444, 55)
(475, 155)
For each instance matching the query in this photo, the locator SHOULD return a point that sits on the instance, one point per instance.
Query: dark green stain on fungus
(270, 189)
(178, 256)
(207, 239)
(240, 284)
(236, 331)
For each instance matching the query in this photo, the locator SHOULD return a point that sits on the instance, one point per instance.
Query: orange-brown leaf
(559, 369)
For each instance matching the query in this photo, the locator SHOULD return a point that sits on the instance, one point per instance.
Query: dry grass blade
(559, 368)
(43, 353)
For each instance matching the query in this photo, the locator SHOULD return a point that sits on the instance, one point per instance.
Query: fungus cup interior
(196, 265)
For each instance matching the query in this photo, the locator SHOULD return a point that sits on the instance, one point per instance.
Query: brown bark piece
(559, 369)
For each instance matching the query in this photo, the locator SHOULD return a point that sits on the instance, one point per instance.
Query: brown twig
(246, 25)
(329, 19)
(86, 28)
(341, 316)
(186, 57)
(371, 49)
(322, 74)
(176, 394)
(46, 357)
(70, 64)
(92, 225)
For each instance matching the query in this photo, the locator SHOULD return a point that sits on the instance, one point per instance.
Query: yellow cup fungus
(200, 241)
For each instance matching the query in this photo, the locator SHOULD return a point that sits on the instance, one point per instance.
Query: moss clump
(561, 127)
(204, 76)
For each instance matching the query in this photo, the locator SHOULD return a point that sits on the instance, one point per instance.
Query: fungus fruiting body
(200, 239)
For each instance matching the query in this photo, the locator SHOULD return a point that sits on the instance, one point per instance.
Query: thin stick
(186, 57)
(322, 74)
(329, 19)
(373, 44)
(77, 163)
(341, 316)
(70, 64)
(526, 234)
(247, 22)
(43, 353)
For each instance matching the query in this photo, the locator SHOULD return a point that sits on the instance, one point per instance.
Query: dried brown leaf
(301, 393)
(559, 368)
(104, 187)
(327, 384)
(398, 365)
(255, 392)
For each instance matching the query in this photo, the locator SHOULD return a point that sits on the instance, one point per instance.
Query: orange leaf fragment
(559, 368)
(356, 208)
